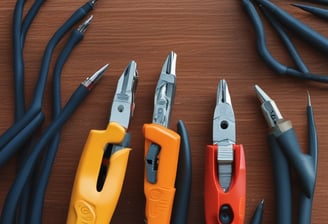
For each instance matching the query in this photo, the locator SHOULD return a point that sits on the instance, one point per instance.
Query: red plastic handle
(215, 197)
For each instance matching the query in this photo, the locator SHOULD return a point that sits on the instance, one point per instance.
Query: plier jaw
(165, 91)
(101, 171)
(163, 148)
(269, 108)
(225, 172)
(124, 100)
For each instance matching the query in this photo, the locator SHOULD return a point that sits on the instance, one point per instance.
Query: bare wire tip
(93, 2)
(309, 98)
(262, 201)
(83, 27)
(90, 81)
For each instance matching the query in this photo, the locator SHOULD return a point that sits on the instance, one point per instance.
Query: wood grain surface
(213, 40)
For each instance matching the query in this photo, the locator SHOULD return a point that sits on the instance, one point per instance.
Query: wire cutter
(166, 187)
(286, 153)
(225, 170)
(100, 174)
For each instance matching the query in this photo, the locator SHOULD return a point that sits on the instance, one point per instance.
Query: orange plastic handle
(215, 197)
(160, 195)
(88, 205)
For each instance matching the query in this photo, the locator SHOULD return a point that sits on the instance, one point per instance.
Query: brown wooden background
(214, 40)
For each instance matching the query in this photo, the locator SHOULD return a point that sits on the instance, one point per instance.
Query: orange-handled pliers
(225, 171)
(101, 171)
(162, 147)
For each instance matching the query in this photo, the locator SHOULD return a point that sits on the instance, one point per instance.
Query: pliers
(286, 153)
(225, 169)
(167, 179)
(100, 174)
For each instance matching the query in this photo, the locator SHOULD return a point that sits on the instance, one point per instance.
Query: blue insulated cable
(10, 135)
(266, 55)
(16, 190)
(43, 173)
(33, 11)
(18, 61)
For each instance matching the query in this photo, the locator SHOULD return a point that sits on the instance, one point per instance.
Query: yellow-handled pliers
(103, 163)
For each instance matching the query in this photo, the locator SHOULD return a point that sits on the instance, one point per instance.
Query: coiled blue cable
(31, 116)
(12, 198)
(39, 188)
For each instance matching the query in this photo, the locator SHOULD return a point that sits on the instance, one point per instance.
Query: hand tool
(225, 170)
(286, 152)
(281, 21)
(162, 149)
(16, 190)
(100, 174)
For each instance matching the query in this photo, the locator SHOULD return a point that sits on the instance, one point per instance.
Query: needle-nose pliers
(286, 152)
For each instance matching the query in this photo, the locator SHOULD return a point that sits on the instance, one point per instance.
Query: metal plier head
(165, 91)
(123, 104)
(224, 128)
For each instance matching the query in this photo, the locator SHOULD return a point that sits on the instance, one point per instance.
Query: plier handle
(101, 171)
(225, 169)
(167, 156)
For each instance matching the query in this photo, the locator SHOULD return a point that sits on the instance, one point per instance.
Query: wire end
(83, 27)
(93, 2)
(309, 98)
(91, 81)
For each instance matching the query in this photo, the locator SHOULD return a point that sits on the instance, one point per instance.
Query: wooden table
(213, 40)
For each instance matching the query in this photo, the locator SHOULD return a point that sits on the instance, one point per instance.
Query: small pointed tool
(162, 146)
(225, 171)
(287, 154)
(100, 175)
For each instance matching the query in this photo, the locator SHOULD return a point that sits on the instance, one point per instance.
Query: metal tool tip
(90, 81)
(83, 27)
(223, 92)
(309, 98)
(262, 96)
(169, 66)
(93, 2)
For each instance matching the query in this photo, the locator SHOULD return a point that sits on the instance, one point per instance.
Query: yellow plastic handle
(160, 195)
(88, 205)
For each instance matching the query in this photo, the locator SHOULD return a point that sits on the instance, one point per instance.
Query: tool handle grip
(159, 204)
(160, 195)
(281, 175)
(89, 205)
(215, 197)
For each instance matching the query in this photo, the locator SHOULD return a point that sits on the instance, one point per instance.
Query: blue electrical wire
(39, 188)
(10, 137)
(33, 11)
(16, 190)
(18, 61)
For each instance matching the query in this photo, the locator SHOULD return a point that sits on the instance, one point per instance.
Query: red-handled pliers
(225, 171)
